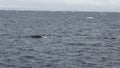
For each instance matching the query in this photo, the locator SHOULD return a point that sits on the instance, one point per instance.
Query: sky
(61, 5)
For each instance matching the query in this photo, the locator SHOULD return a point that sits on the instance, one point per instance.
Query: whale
(38, 36)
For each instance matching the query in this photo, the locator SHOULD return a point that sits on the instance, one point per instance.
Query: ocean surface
(73, 39)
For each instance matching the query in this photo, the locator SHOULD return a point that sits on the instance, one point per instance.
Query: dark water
(74, 39)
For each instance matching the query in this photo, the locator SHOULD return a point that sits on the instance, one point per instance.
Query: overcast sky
(62, 5)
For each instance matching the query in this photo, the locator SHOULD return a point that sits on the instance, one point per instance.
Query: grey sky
(62, 5)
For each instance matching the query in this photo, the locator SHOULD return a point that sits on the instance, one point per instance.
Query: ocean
(72, 39)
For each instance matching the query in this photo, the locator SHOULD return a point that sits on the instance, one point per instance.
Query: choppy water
(74, 39)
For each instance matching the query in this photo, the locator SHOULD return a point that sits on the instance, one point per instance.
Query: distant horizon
(62, 5)
(55, 10)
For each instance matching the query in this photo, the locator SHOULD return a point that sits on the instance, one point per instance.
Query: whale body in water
(38, 36)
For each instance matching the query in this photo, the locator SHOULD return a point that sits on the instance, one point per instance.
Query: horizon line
(58, 10)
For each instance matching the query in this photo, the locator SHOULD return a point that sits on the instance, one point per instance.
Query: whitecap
(89, 17)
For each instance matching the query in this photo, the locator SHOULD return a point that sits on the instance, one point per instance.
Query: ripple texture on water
(72, 40)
